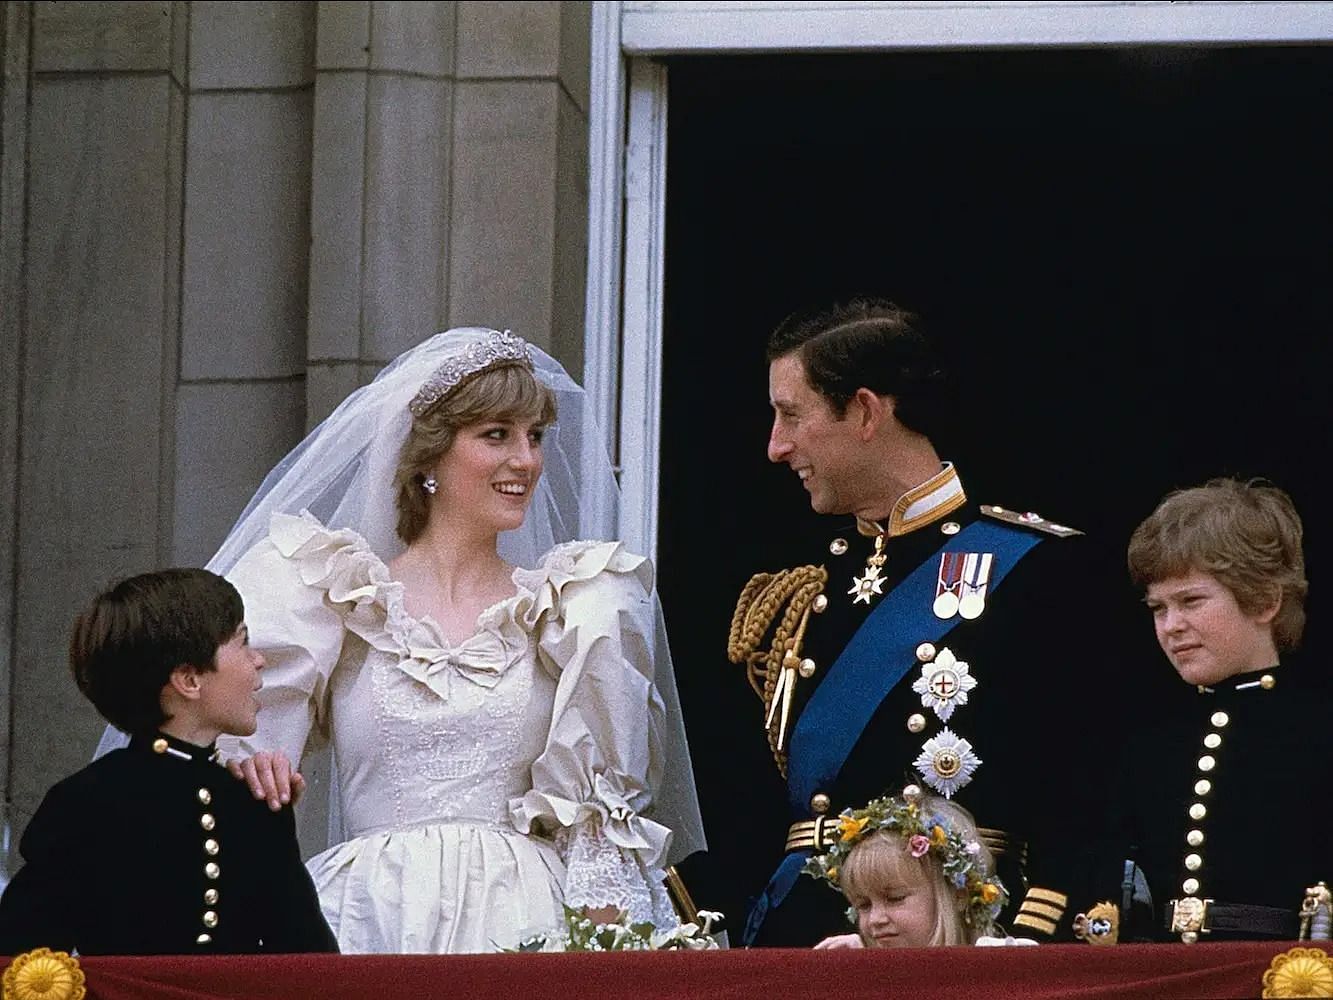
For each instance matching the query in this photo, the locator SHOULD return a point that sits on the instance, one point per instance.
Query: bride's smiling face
(491, 471)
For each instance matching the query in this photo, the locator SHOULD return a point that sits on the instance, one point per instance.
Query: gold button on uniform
(916, 722)
(204, 939)
(212, 870)
(819, 802)
(807, 668)
(210, 897)
(821, 603)
(207, 821)
(1193, 862)
(1190, 885)
(925, 652)
(838, 546)
(1203, 786)
(1198, 811)
(1220, 719)
(1206, 763)
(210, 847)
(1189, 937)
(951, 527)
(210, 918)
(1267, 682)
(204, 795)
(1194, 838)
(159, 745)
(1212, 741)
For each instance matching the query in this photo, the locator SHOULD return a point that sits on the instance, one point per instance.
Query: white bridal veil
(343, 474)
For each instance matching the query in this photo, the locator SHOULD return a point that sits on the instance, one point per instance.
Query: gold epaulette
(1029, 520)
(781, 603)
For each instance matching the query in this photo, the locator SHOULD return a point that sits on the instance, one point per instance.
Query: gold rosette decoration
(1300, 972)
(43, 974)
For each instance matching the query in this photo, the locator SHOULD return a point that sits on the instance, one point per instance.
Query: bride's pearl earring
(429, 484)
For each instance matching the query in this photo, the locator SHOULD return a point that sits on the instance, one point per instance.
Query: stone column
(241, 399)
(518, 252)
(91, 302)
(15, 26)
(380, 213)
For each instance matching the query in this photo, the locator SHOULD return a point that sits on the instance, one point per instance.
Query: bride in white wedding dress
(498, 697)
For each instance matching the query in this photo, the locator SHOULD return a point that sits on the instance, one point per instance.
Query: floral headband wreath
(958, 856)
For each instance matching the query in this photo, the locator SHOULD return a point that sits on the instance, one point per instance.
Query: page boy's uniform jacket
(155, 849)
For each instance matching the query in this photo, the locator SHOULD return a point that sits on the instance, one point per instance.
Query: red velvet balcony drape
(1068, 972)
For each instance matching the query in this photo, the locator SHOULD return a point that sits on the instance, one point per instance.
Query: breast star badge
(944, 684)
(947, 762)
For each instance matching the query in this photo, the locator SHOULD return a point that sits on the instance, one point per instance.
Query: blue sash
(878, 656)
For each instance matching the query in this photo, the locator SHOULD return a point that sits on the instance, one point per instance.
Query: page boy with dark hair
(154, 848)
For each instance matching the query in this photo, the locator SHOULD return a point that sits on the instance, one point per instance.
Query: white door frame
(627, 166)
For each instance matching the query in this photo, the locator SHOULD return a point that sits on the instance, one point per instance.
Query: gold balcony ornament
(43, 974)
(1300, 972)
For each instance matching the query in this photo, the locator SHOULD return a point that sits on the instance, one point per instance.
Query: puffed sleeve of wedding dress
(592, 613)
(289, 584)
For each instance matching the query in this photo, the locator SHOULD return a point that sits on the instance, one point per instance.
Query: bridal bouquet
(609, 929)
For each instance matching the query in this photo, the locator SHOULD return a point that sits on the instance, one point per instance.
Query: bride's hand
(270, 776)
(841, 941)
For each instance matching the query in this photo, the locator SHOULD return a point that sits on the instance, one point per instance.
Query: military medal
(976, 575)
(948, 584)
(944, 684)
(869, 584)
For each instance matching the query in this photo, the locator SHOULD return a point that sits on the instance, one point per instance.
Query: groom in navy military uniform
(922, 638)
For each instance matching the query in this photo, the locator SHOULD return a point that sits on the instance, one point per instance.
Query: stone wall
(215, 220)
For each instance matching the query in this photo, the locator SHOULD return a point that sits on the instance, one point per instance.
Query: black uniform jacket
(145, 852)
(1031, 651)
(1255, 767)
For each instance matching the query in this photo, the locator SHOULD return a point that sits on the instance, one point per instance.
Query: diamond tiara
(495, 348)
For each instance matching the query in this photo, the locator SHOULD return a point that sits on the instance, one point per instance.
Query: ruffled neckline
(340, 562)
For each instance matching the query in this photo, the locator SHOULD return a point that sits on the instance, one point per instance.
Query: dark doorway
(1127, 254)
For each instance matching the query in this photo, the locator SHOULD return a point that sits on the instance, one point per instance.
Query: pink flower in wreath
(918, 845)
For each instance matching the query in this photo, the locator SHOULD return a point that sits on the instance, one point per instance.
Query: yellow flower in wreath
(1300, 972)
(938, 837)
(990, 892)
(849, 827)
(43, 974)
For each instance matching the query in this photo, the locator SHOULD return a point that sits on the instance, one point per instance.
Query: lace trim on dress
(598, 873)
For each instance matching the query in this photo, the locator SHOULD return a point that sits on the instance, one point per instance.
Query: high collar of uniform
(939, 495)
(170, 746)
(1252, 683)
